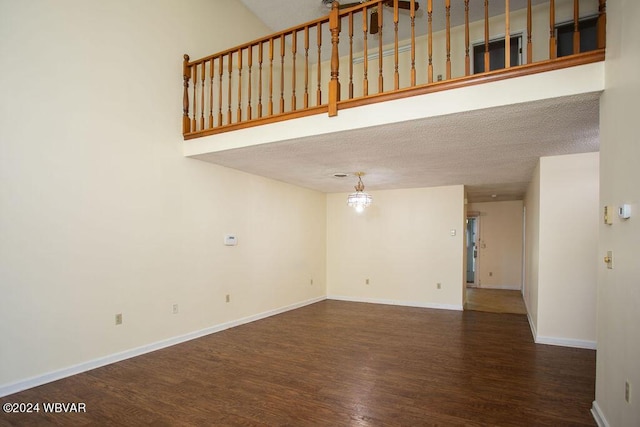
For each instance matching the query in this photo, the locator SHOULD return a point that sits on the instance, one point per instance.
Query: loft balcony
(391, 63)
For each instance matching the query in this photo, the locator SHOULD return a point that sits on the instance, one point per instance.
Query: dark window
(588, 36)
(496, 54)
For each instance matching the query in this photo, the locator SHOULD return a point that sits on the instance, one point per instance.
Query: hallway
(495, 301)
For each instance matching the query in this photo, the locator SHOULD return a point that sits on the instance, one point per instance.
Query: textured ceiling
(491, 151)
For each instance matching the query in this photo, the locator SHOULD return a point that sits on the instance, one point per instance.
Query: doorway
(472, 249)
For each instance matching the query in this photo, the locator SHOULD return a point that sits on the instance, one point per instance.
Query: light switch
(453, 232)
(609, 260)
(608, 214)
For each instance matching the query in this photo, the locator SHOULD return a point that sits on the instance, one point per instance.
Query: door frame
(476, 217)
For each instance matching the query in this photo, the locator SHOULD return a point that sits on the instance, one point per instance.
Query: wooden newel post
(334, 83)
(602, 24)
(186, 75)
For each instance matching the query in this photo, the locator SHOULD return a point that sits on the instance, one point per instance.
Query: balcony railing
(340, 60)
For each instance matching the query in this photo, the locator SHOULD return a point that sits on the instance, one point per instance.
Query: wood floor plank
(338, 363)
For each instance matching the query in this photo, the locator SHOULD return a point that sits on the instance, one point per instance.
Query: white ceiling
(491, 151)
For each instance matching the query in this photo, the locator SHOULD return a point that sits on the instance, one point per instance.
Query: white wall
(562, 217)
(100, 213)
(618, 289)
(500, 244)
(402, 244)
(532, 248)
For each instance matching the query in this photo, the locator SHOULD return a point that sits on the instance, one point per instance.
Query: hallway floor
(495, 301)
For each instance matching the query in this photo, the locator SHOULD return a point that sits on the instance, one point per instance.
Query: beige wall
(100, 213)
(500, 244)
(568, 241)
(561, 228)
(618, 289)
(402, 244)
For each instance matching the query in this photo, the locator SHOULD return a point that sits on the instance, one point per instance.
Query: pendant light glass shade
(360, 199)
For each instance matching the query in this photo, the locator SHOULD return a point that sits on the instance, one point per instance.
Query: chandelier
(359, 200)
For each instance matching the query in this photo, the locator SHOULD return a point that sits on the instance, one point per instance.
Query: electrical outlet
(119, 319)
(175, 308)
(439, 285)
(228, 298)
(627, 391)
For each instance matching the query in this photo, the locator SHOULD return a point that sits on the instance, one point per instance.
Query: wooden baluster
(211, 74)
(602, 24)
(186, 75)
(202, 88)
(576, 27)
(553, 53)
(412, 15)
(467, 58)
(282, 73)
(380, 63)
(396, 73)
(351, 55)
(365, 58)
(239, 112)
(230, 89)
(194, 123)
(306, 67)
(260, 54)
(220, 72)
(529, 42)
(270, 105)
(249, 65)
(447, 6)
(294, 51)
(507, 36)
(319, 43)
(487, 60)
(430, 40)
(334, 83)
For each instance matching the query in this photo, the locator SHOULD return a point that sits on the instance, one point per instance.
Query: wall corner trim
(11, 388)
(532, 325)
(598, 416)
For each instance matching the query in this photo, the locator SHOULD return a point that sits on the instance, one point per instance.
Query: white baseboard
(396, 302)
(566, 342)
(598, 416)
(502, 287)
(21, 385)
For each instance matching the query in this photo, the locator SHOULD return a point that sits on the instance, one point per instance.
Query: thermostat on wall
(230, 240)
(624, 211)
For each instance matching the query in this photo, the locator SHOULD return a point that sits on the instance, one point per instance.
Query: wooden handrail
(238, 87)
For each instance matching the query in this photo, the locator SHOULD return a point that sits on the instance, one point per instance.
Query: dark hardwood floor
(336, 364)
